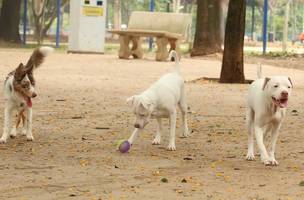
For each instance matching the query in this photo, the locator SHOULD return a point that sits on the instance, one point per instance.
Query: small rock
(188, 158)
(232, 156)
(301, 183)
(184, 180)
(236, 168)
(164, 180)
(77, 117)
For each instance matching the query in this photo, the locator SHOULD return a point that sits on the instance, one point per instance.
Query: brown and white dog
(19, 91)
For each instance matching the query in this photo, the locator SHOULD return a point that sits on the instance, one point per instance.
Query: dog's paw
(156, 141)
(271, 162)
(250, 157)
(13, 133)
(23, 132)
(29, 138)
(171, 147)
(185, 134)
(2, 140)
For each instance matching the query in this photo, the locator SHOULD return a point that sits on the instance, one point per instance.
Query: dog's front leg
(29, 134)
(259, 134)
(7, 124)
(171, 146)
(133, 136)
(274, 137)
(157, 138)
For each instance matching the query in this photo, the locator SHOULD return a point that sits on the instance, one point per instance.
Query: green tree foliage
(276, 18)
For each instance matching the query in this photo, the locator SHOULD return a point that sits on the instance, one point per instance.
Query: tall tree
(9, 21)
(233, 61)
(207, 38)
(44, 14)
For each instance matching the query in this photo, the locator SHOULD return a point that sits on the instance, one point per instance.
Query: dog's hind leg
(157, 138)
(183, 107)
(250, 129)
(7, 124)
(171, 146)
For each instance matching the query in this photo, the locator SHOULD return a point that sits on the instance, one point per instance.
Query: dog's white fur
(15, 102)
(266, 108)
(160, 101)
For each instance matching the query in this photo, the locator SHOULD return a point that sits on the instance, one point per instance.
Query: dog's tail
(37, 57)
(259, 70)
(173, 55)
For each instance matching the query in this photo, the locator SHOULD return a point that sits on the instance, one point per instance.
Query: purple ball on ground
(124, 146)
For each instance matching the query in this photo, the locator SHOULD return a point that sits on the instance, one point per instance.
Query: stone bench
(167, 28)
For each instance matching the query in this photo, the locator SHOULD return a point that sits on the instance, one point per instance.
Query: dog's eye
(276, 86)
(289, 87)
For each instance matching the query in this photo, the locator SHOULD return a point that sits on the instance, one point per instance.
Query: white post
(285, 31)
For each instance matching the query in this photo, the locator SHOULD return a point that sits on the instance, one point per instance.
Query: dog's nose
(284, 94)
(34, 95)
(136, 126)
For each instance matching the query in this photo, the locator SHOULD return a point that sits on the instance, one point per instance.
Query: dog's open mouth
(28, 101)
(282, 102)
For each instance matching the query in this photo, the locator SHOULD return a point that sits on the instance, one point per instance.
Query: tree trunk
(117, 14)
(233, 65)
(176, 5)
(9, 21)
(207, 38)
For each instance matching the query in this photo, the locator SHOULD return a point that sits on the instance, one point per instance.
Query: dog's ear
(265, 82)
(20, 72)
(290, 81)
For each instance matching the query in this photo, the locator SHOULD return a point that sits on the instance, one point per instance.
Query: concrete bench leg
(136, 49)
(162, 51)
(175, 45)
(124, 51)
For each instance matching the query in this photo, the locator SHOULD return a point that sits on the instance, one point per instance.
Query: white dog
(160, 101)
(19, 91)
(267, 102)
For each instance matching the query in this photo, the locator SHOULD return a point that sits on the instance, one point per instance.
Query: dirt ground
(81, 112)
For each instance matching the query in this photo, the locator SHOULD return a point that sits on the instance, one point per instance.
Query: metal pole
(58, 23)
(151, 8)
(24, 21)
(265, 26)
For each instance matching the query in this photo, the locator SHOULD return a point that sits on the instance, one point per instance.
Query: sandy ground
(72, 158)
